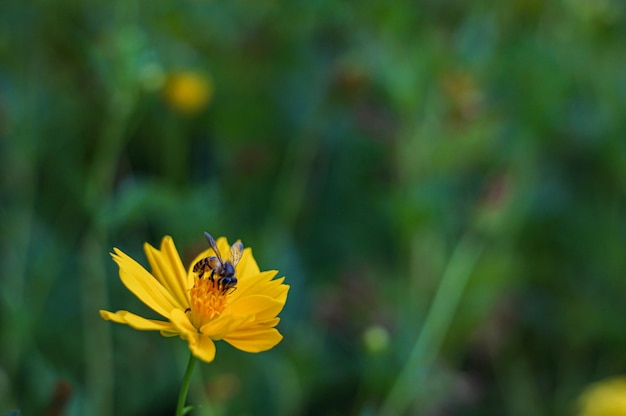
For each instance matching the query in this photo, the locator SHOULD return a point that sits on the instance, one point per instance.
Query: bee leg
(211, 276)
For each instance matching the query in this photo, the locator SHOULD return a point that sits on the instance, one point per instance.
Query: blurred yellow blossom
(188, 91)
(197, 308)
(604, 398)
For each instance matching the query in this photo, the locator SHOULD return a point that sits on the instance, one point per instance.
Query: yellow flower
(195, 308)
(605, 398)
(188, 91)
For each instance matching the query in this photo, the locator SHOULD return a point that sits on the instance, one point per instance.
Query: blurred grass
(352, 148)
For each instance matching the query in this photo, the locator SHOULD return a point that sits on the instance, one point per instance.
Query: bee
(220, 272)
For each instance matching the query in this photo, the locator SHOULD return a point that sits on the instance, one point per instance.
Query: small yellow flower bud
(188, 92)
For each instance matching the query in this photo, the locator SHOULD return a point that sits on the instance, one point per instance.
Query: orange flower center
(207, 302)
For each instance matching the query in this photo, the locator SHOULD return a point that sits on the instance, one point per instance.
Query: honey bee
(220, 272)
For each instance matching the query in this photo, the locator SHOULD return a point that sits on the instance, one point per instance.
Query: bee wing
(213, 261)
(214, 247)
(236, 250)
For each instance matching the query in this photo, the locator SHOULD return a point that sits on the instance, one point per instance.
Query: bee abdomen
(202, 266)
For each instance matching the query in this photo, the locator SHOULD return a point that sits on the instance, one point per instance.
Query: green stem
(435, 328)
(180, 410)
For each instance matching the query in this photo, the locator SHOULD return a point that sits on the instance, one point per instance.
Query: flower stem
(180, 408)
(438, 320)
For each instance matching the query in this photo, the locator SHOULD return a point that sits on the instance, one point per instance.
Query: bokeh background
(442, 183)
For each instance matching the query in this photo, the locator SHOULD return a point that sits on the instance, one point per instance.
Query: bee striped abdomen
(203, 266)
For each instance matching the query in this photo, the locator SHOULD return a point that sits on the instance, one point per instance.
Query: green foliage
(360, 150)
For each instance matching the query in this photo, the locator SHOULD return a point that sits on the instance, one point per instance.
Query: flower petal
(143, 285)
(254, 340)
(262, 307)
(257, 325)
(168, 269)
(137, 322)
(223, 247)
(274, 288)
(260, 283)
(182, 323)
(270, 323)
(225, 324)
(247, 265)
(202, 347)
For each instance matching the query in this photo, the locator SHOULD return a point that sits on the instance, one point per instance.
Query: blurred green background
(443, 184)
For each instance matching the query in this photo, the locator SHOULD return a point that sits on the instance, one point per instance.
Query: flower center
(207, 301)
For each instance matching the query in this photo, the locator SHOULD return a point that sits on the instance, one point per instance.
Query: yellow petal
(168, 247)
(202, 347)
(225, 324)
(255, 284)
(254, 340)
(262, 307)
(168, 269)
(276, 292)
(247, 265)
(223, 247)
(270, 323)
(143, 285)
(274, 288)
(258, 325)
(137, 322)
(182, 323)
